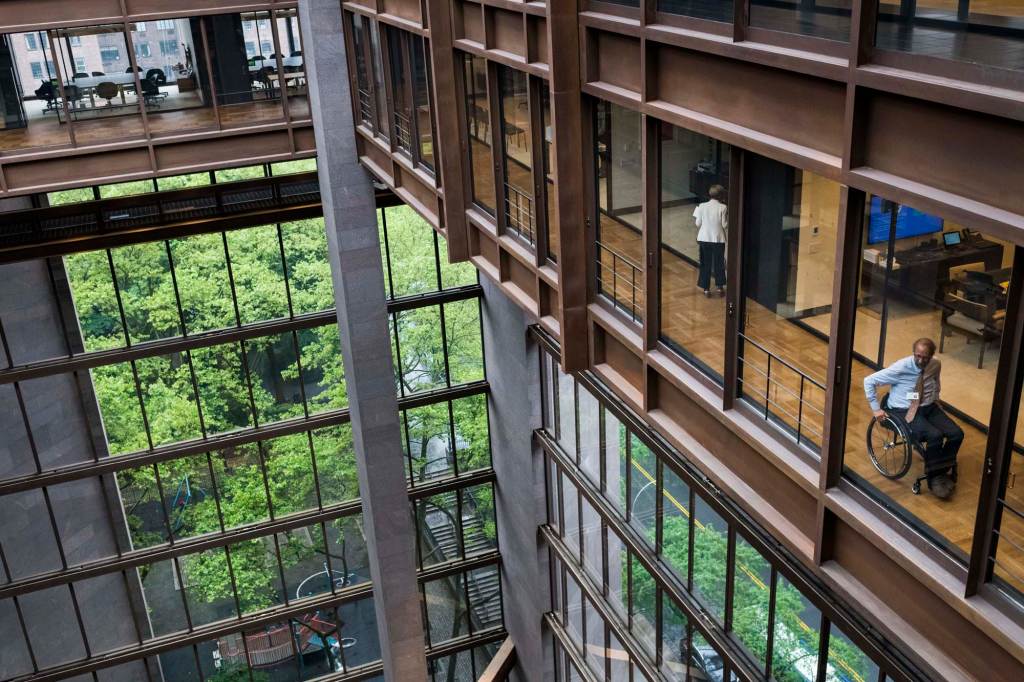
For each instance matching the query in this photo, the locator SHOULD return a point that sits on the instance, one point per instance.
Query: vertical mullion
(537, 167)
(497, 132)
(1002, 423)
(734, 294)
(650, 154)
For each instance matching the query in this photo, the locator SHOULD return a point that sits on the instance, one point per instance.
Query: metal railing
(519, 213)
(620, 280)
(778, 395)
(365, 106)
(403, 131)
(1010, 521)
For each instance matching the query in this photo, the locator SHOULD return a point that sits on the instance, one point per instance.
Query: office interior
(82, 85)
(921, 276)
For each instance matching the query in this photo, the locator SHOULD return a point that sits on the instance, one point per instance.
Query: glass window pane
(478, 119)
(751, 597)
(397, 50)
(309, 272)
(926, 278)
(986, 33)
(103, 102)
(323, 374)
(421, 99)
(472, 432)
(715, 10)
(465, 343)
(829, 19)
(422, 353)
(147, 293)
(95, 300)
(175, 78)
(789, 256)
(202, 273)
(245, 69)
(335, 464)
(514, 101)
(676, 523)
(223, 391)
(846, 660)
(30, 90)
(710, 549)
(795, 643)
(644, 615)
(673, 639)
(694, 228)
(590, 436)
(383, 129)
(619, 205)
(643, 492)
(549, 172)
(258, 273)
(479, 526)
(274, 377)
(359, 48)
(410, 251)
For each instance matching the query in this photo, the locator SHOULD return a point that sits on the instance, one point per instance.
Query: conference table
(88, 85)
(288, 63)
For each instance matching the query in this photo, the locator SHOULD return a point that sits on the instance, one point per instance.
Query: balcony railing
(620, 279)
(403, 131)
(519, 213)
(785, 394)
(365, 106)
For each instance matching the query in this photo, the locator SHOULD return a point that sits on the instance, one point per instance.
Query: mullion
(184, 333)
(387, 250)
(285, 273)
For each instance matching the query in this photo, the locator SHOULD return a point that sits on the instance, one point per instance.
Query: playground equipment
(182, 499)
(277, 643)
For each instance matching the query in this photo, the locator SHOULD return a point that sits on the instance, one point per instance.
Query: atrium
(489, 340)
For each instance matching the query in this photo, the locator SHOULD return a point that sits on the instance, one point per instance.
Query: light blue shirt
(901, 377)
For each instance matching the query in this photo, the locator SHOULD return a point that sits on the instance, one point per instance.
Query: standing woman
(712, 219)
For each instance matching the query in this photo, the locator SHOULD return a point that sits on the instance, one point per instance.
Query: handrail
(781, 410)
(519, 212)
(632, 308)
(403, 130)
(500, 667)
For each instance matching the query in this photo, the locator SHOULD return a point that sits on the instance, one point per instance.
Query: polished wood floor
(697, 325)
(47, 131)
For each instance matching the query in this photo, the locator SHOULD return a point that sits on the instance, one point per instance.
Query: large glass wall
(789, 240)
(616, 583)
(714, 10)
(984, 32)
(237, 434)
(478, 120)
(619, 191)
(828, 19)
(92, 84)
(410, 88)
(923, 277)
(516, 133)
(693, 233)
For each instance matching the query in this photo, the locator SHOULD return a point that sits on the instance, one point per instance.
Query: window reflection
(982, 31)
(789, 262)
(619, 206)
(692, 322)
(828, 19)
(923, 277)
(478, 120)
(516, 134)
(549, 173)
(715, 10)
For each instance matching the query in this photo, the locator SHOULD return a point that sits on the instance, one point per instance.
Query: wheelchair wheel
(888, 447)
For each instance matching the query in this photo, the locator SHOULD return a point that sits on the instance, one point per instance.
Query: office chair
(151, 94)
(48, 92)
(108, 91)
(974, 319)
(157, 76)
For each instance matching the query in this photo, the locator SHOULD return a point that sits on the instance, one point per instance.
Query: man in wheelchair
(914, 398)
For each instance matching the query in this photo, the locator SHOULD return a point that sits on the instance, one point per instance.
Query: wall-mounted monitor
(909, 222)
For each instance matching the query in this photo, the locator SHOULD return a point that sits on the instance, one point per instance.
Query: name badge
(913, 395)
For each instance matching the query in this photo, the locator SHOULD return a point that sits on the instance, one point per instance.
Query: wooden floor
(697, 324)
(48, 132)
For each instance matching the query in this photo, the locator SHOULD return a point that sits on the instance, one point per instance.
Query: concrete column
(354, 251)
(65, 425)
(513, 370)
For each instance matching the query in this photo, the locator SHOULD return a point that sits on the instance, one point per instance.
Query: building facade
(462, 340)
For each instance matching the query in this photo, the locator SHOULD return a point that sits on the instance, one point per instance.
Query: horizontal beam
(179, 344)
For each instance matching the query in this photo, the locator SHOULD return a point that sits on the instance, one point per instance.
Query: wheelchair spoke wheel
(888, 448)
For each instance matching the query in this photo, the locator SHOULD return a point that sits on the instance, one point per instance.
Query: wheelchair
(891, 445)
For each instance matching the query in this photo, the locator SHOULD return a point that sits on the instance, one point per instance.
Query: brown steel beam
(570, 194)
(451, 148)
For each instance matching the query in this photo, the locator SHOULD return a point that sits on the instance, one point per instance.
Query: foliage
(182, 396)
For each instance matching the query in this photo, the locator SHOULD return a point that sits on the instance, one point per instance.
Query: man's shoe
(941, 486)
